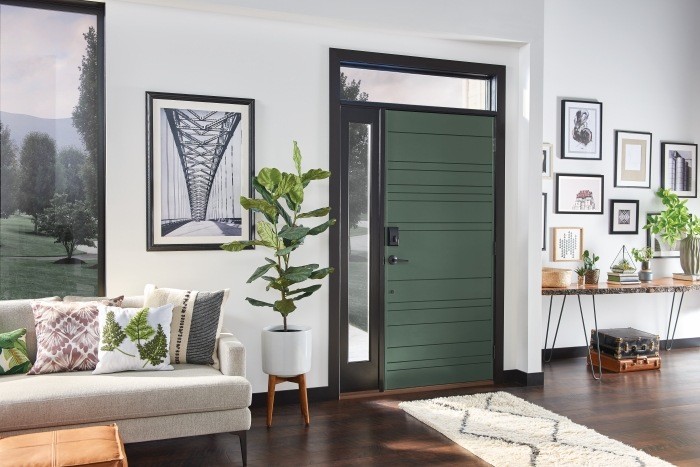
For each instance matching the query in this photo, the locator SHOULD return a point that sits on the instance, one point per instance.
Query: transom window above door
(411, 88)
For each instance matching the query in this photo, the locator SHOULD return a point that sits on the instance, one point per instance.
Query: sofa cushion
(13, 353)
(17, 314)
(67, 336)
(196, 322)
(57, 399)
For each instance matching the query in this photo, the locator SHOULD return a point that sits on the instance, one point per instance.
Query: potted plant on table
(581, 273)
(644, 256)
(286, 349)
(592, 274)
(676, 224)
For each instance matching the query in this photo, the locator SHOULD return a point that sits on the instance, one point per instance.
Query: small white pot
(286, 353)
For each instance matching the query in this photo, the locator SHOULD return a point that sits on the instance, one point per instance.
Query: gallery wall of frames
(583, 192)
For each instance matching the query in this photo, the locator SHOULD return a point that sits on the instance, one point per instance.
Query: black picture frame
(651, 244)
(562, 178)
(574, 141)
(619, 160)
(544, 221)
(186, 113)
(668, 147)
(613, 211)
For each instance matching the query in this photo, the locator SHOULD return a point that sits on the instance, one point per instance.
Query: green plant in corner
(589, 260)
(282, 232)
(675, 222)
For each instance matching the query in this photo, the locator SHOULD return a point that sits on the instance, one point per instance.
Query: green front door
(438, 302)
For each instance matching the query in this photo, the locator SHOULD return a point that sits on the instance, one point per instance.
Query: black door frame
(496, 74)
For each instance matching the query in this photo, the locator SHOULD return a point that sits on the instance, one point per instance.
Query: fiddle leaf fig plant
(675, 222)
(282, 232)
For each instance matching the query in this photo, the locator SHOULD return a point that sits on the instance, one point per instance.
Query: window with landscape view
(51, 150)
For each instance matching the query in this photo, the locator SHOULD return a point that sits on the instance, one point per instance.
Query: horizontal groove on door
(434, 149)
(440, 189)
(466, 360)
(421, 211)
(441, 197)
(438, 333)
(439, 375)
(438, 315)
(440, 123)
(439, 167)
(436, 351)
(449, 178)
(446, 289)
(443, 226)
(466, 303)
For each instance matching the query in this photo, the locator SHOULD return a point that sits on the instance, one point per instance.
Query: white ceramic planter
(286, 353)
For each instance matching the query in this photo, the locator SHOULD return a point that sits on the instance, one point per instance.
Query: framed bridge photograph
(200, 157)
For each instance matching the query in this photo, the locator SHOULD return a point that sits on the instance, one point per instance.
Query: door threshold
(390, 392)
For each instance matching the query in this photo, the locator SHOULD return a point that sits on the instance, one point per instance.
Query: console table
(665, 284)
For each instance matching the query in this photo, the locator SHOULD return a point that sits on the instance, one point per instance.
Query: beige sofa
(148, 405)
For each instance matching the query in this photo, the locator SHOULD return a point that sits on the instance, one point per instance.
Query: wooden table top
(664, 284)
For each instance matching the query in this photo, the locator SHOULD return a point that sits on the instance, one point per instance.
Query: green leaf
(321, 273)
(314, 174)
(295, 277)
(239, 245)
(315, 213)
(155, 350)
(266, 232)
(268, 197)
(260, 272)
(285, 306)
(305, 292)
(322, 228)
(138, 328)
(285, 186)
(112, 333)
(271, 261)
(8, 339)
(269, 178)
(296, 155)
(260, 205)
(255, 302)
(287, 250)
(295, 196)
(293, 234)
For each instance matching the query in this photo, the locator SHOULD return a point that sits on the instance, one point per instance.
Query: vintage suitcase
(625, 365)
(626, 342)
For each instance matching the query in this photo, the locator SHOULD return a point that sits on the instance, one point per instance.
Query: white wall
(640, 58)
(281, 60)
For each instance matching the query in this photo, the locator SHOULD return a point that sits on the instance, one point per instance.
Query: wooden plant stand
(273, 381)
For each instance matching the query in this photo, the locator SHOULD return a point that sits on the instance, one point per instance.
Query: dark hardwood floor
(656, 411)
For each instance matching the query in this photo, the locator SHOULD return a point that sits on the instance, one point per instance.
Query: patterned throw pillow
(14, 359)
(66, 335)
(134, 339)
(196, 325)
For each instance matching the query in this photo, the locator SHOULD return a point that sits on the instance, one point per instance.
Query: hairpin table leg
(585, 337)
(597, 341)
(546, 336)
(669, 342)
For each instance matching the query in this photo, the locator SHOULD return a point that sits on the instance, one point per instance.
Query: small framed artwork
(581, 129)
(579, 194)
(679, 169)
(624, 216)
(567, 243)
(544, 221)
(632, 159)
(547, 160)
(199, 163)
(660, 248)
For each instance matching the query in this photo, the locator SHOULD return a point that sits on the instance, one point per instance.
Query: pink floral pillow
(67, 336)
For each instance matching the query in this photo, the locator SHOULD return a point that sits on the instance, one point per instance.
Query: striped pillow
(196, 323)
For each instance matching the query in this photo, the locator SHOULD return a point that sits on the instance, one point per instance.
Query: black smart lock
(392, 236)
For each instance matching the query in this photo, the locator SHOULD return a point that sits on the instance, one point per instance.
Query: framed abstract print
(581, 129)
(579, 194)
(624, 216)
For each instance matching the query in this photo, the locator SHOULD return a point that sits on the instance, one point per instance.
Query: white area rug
(505, 430)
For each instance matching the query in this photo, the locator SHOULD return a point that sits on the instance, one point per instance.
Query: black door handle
(393, 259)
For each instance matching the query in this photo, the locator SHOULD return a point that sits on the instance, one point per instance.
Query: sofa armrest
(231, 355)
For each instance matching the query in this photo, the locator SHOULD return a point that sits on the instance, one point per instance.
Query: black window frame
(97, 9)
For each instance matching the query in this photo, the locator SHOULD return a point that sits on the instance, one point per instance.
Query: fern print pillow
(133, 339)
(14, 359)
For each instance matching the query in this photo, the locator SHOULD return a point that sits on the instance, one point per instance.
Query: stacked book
(623, 278)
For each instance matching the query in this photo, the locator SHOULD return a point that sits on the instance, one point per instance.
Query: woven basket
(554, 277)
